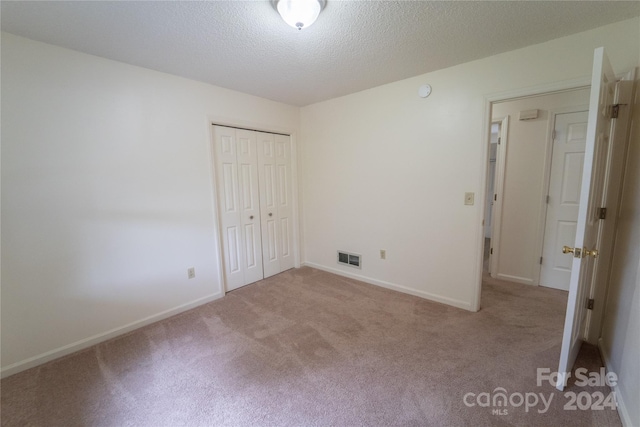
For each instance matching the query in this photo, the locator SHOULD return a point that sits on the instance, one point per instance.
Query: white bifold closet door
(274, 166)
(254, 199)
(239, 205)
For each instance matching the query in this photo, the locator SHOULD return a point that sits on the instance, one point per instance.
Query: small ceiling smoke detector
(424, 91)
(299, 13)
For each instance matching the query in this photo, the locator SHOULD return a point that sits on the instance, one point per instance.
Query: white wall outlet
(383, 254)
(191, 272)
(468, 198)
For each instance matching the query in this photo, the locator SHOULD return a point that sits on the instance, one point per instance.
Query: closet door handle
(270, 214)
(251, 217)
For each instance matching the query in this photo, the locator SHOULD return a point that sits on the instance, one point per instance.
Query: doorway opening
(521, 185)
(606, 141)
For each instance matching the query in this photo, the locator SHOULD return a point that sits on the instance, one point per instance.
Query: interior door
(491, 183)
(570, 132)
(588, 230)
(498, 192)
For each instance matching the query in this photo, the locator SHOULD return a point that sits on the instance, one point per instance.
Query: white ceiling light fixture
(299, 13)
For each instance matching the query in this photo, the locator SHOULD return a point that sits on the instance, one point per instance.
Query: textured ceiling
(354, 45)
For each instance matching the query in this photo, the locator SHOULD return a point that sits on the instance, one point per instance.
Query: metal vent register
(352, 260)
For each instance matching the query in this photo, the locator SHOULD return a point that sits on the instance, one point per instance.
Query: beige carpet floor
(308, 348)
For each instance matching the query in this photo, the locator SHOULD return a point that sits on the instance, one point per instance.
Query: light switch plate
(468, 198)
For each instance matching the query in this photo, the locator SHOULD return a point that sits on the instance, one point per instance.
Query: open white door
(588, 229)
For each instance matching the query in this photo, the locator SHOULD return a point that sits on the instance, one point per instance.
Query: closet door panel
(284, 200)
(249, 205)
(229, 207)
(269, 204)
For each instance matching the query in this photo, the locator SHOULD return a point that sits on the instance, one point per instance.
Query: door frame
(212, 121)
(621, 128)
(500, 183)
(498, 188)
(483, 161)
(593, 320)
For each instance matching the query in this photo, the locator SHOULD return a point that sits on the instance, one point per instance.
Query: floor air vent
(352, 260)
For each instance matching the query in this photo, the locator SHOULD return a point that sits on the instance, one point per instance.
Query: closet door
(284, 200)
(237, 177)
(269, 204)
(249, 205)
(228, 202)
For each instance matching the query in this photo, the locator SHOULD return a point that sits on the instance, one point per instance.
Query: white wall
(107, 195)
(518, 248)
(385, 169)
(107, 192)
(620, 342)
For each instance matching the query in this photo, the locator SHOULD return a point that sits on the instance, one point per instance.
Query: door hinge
(540, 260)
(590, 304)
(499, 140)
(491, 251)
(495, 197)
(553, 135)
(615, 110)
(548, 199)
(602, 213)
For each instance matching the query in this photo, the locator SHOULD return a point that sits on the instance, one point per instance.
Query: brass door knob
(580, 252)
(594, 253)
(251, 217)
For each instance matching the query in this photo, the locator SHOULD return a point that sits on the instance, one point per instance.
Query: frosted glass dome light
(299, 13)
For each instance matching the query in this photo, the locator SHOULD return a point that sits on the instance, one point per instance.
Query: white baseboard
(515, 279)
(623, 412)
(98, 338)
(426, 295)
